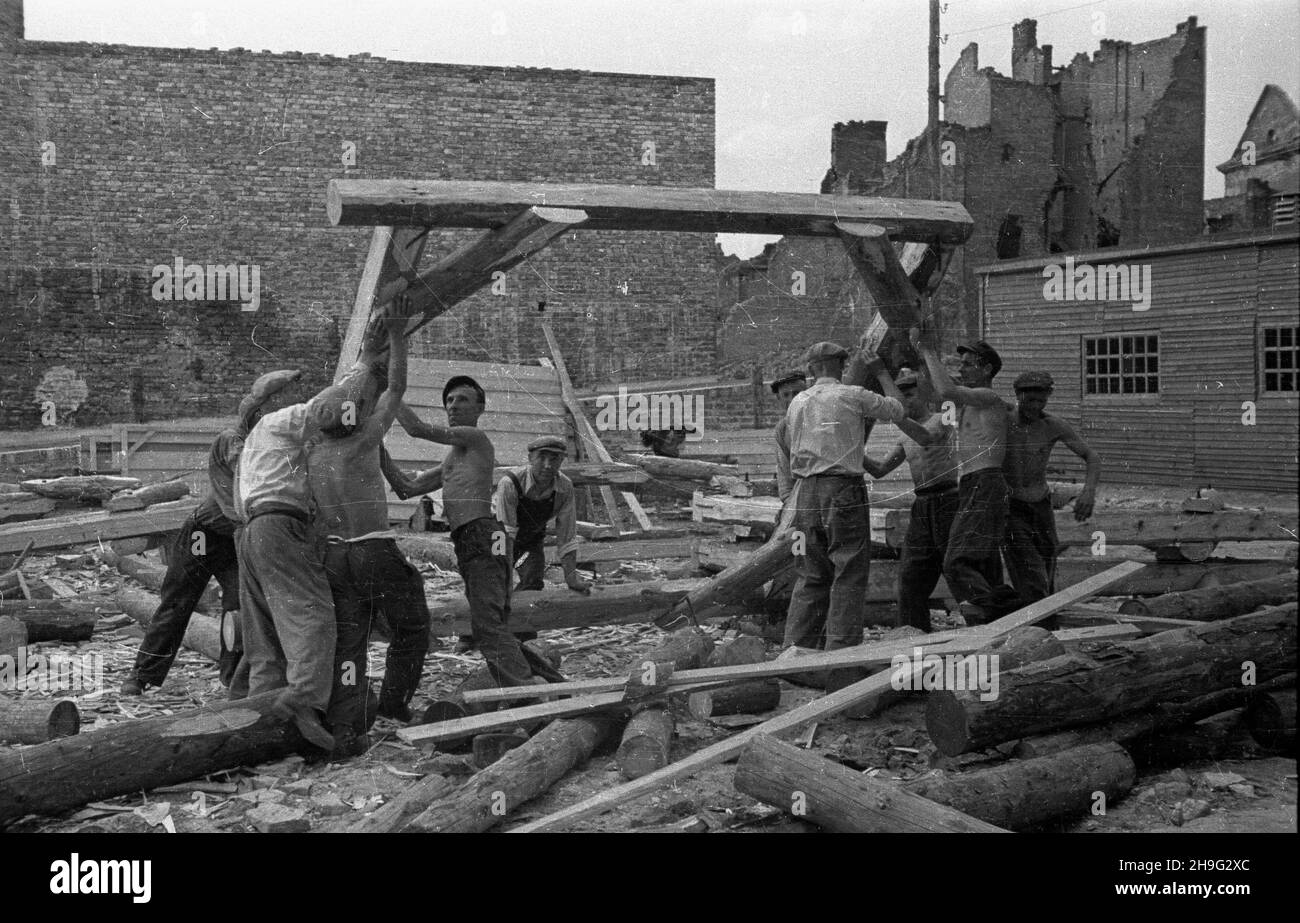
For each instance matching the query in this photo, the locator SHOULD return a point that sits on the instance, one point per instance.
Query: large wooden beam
(837, 798)
(96, 526)
(1129, 676)
(897, 300)
(454, 278)
(1216, 602)
(391, 264)
(133, 756)
(640, 208)
(859, 693)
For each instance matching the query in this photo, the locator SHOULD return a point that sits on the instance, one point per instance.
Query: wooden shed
(1179, 363)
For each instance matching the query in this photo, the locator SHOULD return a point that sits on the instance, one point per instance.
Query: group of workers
(979, 473)
(295, 528)
(295, 525)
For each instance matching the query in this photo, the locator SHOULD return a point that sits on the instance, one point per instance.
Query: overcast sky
(786, 70)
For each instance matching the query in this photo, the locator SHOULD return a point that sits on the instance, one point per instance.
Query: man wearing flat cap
(527, 498)
(286, 605)
(973, 565)
(1031, 545)
(826, 429)
(205, 548)
(480, 540)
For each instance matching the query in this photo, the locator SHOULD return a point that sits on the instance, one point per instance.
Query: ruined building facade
(1105, 151)
(1261, 178)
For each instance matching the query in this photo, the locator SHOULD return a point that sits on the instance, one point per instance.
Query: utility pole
(936, 188)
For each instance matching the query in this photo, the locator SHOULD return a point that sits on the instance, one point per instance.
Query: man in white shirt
(832, 525)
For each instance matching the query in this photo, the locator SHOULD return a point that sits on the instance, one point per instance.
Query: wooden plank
(879, 653)
(95, 526)
(460, 728)
(391, 263)
(856, 694)
(1165, 527)
(650, 549)
(441, 203)
(454, 278)
(588, 440)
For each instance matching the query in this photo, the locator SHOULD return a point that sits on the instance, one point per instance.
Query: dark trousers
(1030, 549)
(195, 557)
(372, 578)
(834, 519)
(923, 553)
(533, 566)
(487, 587)
(286, 609)
(973, 564)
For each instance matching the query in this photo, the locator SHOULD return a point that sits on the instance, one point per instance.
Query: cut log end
(945, 720)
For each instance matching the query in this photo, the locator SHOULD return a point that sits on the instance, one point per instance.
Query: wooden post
(391, 263)
(588, 440)
(838, 799)
(1219, 602)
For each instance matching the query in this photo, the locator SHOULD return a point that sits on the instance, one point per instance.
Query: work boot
(395, 710)
(973, 614)
(348, 743)
(305, 719)
(132, 686)
(464, 644)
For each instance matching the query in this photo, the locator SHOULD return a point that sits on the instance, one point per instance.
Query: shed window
(1281, 359)
(1127, 364)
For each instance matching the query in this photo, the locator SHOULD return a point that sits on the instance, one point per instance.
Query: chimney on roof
(857, 159)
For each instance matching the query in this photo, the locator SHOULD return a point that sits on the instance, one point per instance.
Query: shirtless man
(972, 565)
(368, 573)
(285, 603)
(482, 545)
(1030, 545)
(935, 471)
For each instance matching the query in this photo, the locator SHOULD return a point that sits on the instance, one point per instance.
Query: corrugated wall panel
(1206, 307)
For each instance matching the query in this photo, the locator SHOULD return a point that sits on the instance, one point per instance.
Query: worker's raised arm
(464, 436)
(398, 314)
(405, 486)
(948, 390)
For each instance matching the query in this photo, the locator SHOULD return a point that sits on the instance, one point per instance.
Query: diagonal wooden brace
(392, 263)
(898, 303)
(464, 272)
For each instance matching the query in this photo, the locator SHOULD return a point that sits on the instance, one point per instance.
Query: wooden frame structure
(522, 219)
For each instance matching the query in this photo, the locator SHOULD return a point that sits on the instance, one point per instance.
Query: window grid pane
(1125, 364)
(1281, 358)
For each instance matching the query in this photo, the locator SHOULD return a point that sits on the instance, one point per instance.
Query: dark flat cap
(1036, 380)
(820, 352)
(786, 379)
(907, 378)
(549, 444)
(266, 387)
(984, 353)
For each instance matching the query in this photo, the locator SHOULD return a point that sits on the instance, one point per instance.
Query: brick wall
(118, 158)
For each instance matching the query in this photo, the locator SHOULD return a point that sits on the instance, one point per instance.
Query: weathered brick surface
(223, 157)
